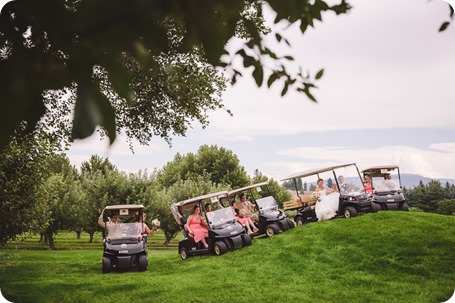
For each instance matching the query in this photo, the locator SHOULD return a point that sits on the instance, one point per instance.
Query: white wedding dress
(327, 207)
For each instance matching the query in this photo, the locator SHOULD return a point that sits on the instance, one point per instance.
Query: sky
(386, 97)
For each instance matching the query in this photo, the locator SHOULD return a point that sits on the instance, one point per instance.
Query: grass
(65, 240)
(382, 257)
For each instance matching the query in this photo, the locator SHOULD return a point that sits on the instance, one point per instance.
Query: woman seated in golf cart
(197, 227)
(249, 208)
(327, 206)
(245, 221)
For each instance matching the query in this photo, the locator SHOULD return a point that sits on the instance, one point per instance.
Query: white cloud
(427, 162)
(386, 67)
(120, 147)
(378, 74)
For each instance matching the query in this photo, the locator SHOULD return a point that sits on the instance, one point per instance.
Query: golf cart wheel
(272, 229)
(405, 207)
(349, 212)
(285, 225)
(290, 223)
(183, 254)
(299, 221)
(375, 207)
(220, 248)
(246, 240)
(107, 266)
(142, 263)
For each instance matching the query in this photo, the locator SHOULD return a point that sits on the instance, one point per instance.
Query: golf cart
(125, 242)
(352, 197)
(386, 183)
(224, 231)
(270, 219)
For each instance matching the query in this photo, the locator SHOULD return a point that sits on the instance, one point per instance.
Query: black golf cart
(125, 242)
(270, 219)
(224, 231)
(387, 189)
(352, 197)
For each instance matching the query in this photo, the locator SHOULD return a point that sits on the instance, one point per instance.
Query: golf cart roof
(379, 170)
(197, 199)
(239, 190)
(315, 171)
(187, 204)
(125, 206)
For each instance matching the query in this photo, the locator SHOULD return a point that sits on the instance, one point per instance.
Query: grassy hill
(382, 257)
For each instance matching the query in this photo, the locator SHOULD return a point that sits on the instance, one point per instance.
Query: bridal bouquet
(156, 223)
(316, 196)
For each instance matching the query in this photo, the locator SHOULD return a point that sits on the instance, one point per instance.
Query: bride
(327, 205)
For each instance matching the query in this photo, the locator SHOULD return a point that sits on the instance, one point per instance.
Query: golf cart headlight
(352, 199)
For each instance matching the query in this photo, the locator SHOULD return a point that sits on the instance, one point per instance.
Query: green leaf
(92, 109)
(120, 79)
(273, 77)
(248, 61)
(290, 58)
(258, 74)
(285, 89)
(319, 74)
(278, 37)
(310, 96)
(444, 26)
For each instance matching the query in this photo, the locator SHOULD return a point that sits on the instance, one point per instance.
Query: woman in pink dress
(245, 221)
(367, 185)
(196, 227)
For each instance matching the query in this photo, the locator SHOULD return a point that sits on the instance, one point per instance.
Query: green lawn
(382, 257)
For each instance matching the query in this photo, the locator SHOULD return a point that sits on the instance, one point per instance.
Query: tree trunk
(169, 237)
(50, 239)
(91, 236)
(78, 234)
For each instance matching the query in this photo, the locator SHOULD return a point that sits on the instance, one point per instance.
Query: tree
(446, 207)
(24, 165)
(281, 194)
(161, 199)
(56, 45)
(103, 185)
(221, 166)
(434, 194)
(329, 183)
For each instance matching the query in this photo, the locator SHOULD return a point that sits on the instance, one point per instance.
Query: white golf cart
(125, 241)
(270, 219)
(352, 197)
(387, 189)
(224, 231)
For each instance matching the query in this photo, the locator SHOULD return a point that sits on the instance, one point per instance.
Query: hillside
(382, 257)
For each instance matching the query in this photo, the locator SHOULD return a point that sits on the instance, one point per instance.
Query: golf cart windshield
(348, 180)
(267, 204)
(221, 217)
(124, 230)
(386, 185)
(384, 178)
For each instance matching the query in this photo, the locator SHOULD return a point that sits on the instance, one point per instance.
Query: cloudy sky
(386, 97)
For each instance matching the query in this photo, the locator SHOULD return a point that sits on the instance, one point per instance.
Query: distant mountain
(410, 180)
(407, 180)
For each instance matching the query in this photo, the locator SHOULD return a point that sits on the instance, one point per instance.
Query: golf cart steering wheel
(345, 187)
(389, 185)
